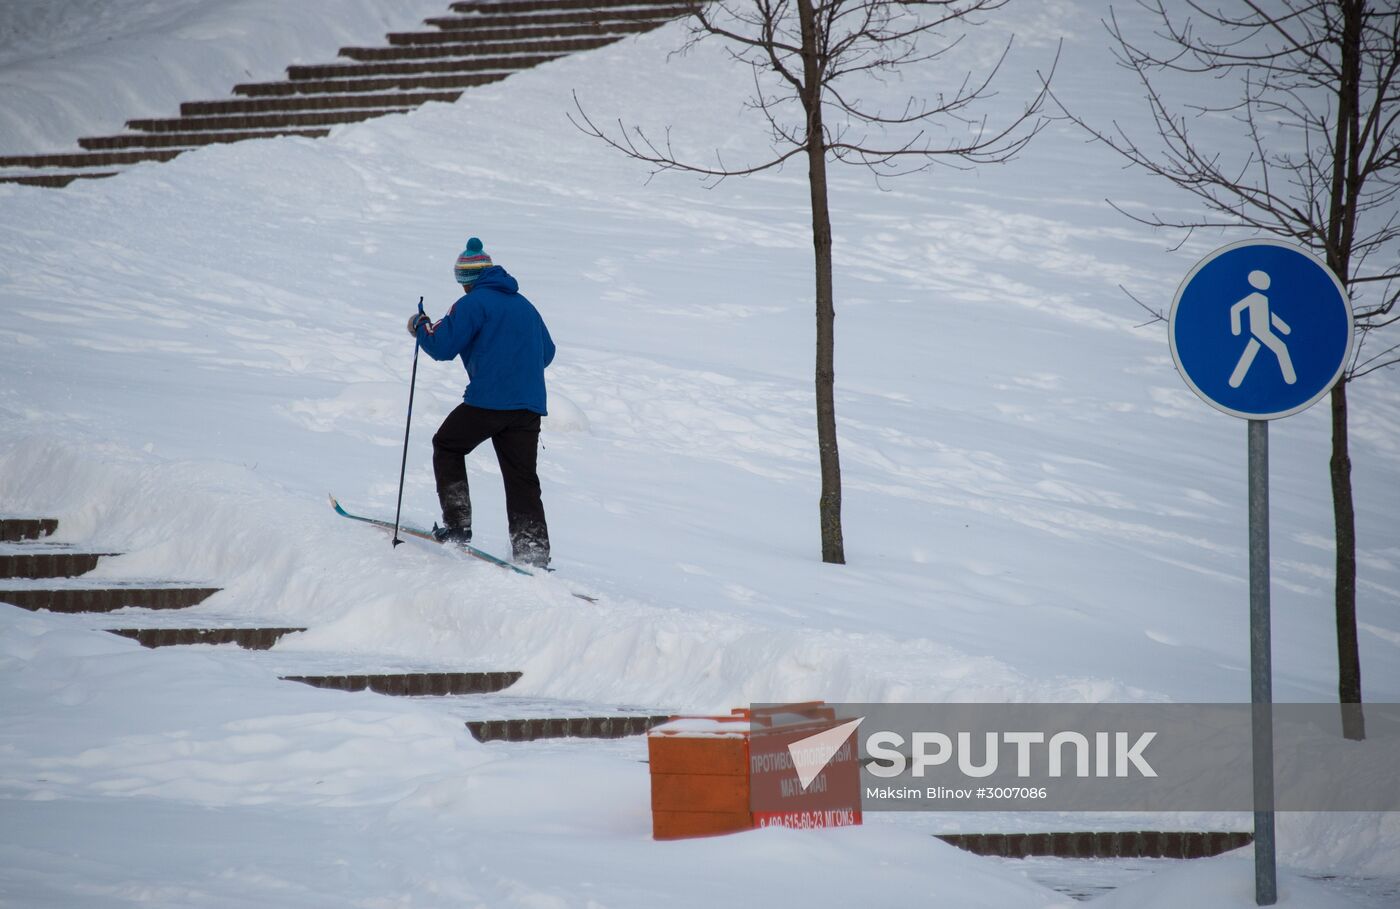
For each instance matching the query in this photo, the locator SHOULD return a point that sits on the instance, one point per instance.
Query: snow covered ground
(1037, 508)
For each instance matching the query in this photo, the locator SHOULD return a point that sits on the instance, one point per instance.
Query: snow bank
(279, 563)
(90, 715)
(1224, 882)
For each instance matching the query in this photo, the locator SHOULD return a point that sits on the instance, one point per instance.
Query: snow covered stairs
(31, 560)
(414, 684)
(105, 599)
(448, 684)
(48, 564)
(1102, 844)
(588, 727)
(17, 530)
(48, 576)
(247, 638)
(481, 41)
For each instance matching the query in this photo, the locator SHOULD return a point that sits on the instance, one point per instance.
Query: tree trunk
(829, 506)
(1344, 516)
(1341, 232)
(833, 545)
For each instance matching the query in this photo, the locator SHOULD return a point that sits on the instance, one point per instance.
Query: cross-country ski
(436, 537)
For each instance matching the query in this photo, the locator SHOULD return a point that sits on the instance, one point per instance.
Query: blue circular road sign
(1260, 329)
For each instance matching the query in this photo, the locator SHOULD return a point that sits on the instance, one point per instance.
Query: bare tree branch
(857, 38)
(637, 145)
(1156, 314)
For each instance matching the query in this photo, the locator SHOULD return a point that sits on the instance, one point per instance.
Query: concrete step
(528, 32)
(1100, 844)
(410, 67)
(532, 6)
(388, 83)
(240, 122)
(312, 102)
(55, 181)
(247, 638)
(88, 159)
(14, 529)
(49, 564)
(483, 43)
(554, 46)
(414, 683)
(490, 17)
(587, 727)
(105, 599)
(189, 140)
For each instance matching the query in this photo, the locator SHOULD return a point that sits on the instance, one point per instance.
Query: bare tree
(1316, 102)
(808, 58)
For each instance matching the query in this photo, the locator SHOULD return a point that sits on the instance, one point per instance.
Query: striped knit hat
(471, 263)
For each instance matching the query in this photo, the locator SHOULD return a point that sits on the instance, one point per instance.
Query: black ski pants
(515, 434)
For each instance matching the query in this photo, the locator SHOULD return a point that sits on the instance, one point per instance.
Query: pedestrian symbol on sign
(1262, 322)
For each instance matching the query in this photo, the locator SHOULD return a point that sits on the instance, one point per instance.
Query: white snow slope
(1037, 509)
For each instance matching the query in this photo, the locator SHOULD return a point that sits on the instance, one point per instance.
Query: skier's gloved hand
(415, 320)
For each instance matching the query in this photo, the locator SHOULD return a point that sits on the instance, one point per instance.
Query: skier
(505, 347)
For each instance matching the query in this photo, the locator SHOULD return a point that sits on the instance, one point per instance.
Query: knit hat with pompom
(471, 263)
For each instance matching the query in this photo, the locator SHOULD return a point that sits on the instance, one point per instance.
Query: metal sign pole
(1261, 329)
(1260, 666)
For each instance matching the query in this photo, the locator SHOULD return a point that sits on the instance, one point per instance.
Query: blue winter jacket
(502, 341)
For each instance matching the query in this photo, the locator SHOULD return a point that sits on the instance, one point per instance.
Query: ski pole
(403, 465)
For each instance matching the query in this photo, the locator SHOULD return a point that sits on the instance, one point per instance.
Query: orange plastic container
(704, 770)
